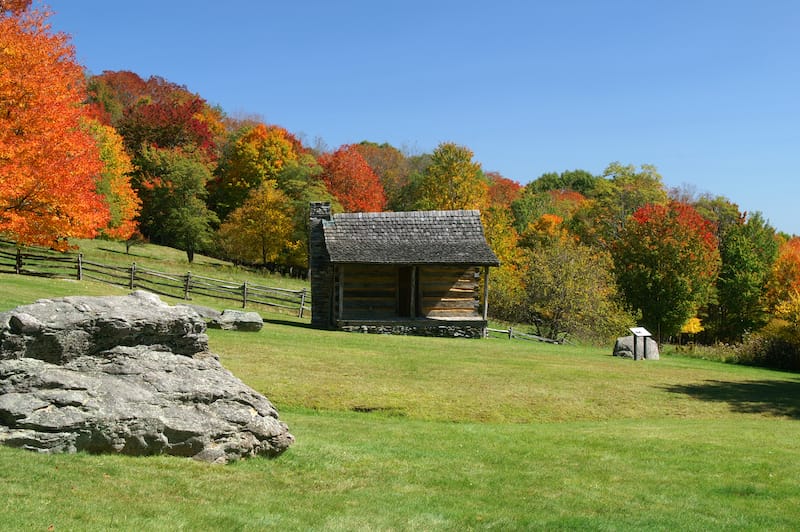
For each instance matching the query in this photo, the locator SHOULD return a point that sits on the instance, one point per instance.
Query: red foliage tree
(502, 190)
(48, 163)
(667, 260)
(155, 112)
(351, 180)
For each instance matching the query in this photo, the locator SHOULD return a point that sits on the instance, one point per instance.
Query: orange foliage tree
(351, 180)
(48, 162)
(784, 282)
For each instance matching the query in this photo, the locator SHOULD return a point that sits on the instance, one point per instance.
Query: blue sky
(707, 91)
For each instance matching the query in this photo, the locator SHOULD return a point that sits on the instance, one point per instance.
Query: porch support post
(485, 293)
(341, 291)
(413, 289)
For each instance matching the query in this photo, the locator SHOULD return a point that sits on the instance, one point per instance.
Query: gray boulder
(237, 320)
(644, 351)
(125, 374)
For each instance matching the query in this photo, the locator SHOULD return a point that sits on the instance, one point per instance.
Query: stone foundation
(438, 329)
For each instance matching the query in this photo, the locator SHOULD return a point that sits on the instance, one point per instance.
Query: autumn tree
(155, 111)
(392, 168)
(452, 181)
(48, 162)
(261, 229)
(784, 277)
(350, 179)
(552, 194)
(621, 190)
(505, 285)
(168, 125)
(502, 190)
(533, 207)
(13, 7)
(113, 182)
(253, 155)
(173, 189)
(666, 262)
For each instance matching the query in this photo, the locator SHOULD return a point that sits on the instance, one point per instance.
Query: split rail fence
(46, 263)
(523, 336)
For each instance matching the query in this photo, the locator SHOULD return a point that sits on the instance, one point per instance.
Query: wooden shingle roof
(417, 237)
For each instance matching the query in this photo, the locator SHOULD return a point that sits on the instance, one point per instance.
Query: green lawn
(397, 433)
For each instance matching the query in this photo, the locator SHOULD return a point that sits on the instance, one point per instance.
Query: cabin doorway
(406, 290)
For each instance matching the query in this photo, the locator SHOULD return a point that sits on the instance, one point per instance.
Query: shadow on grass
(777, 398)
(290, 323)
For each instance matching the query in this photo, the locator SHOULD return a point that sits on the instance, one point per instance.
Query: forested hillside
(116, 156)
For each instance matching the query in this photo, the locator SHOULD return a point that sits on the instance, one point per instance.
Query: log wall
(450, 291)
(372, 292)
(366, 291)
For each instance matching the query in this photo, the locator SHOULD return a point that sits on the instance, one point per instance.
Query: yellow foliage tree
(261, 229)
(453, 180)
(114, 183)
(692, 326)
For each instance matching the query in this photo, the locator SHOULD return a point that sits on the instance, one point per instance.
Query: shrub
(776, 346)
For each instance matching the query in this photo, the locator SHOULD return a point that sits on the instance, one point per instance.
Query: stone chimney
(319, 265)
(320, 210)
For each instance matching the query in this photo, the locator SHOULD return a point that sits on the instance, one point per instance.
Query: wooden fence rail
(71, 266)
(515, 334)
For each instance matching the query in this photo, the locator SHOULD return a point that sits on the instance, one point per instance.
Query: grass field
(397, 433)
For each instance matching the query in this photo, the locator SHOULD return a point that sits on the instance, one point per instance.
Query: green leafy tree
(577, 180)
(667, 261)
(172, 184)
(720, 211)
(570, 291)
(748, 251)
(301, 183)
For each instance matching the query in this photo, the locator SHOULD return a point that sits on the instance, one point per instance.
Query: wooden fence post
(133, 274)
(187, 285)
(302, 303)
(18, 262)
(244, 295)
(80, 266)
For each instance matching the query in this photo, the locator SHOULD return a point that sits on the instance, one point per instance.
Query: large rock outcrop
(125, 374)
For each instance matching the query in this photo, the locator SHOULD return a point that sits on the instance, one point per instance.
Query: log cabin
(420, 273)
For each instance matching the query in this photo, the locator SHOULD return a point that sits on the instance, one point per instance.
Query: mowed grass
(402, 433)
